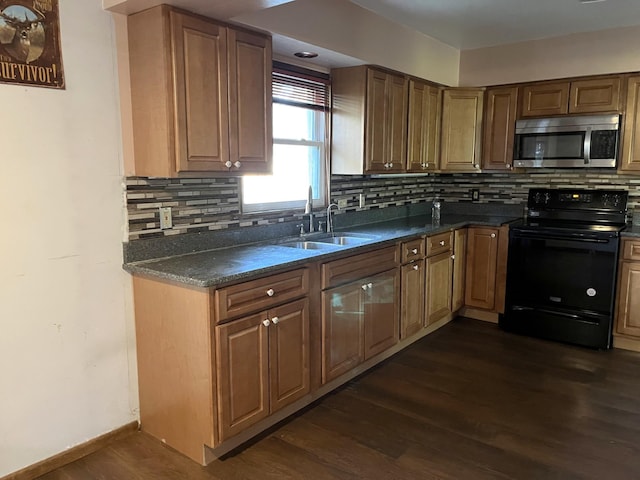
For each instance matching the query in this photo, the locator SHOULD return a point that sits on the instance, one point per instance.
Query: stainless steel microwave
(567, 142)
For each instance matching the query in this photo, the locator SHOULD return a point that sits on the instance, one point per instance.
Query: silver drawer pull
(415, 267)
(442, 242)
(414, 251)
(275, 320)
(266, 322)
(270, 292)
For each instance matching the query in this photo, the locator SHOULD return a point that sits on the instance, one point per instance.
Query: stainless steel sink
(345, 240)
(306, 245)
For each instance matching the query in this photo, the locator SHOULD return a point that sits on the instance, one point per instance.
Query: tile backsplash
(210, 204)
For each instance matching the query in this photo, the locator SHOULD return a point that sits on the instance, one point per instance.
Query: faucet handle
(321, 224)
(301, 227)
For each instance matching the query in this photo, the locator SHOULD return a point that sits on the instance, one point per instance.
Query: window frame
(322, 134)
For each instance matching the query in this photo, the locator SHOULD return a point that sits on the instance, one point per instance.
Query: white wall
(606, 51)
(66, 326)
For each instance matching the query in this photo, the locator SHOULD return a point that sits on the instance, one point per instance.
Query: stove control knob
(616, 200)
(547, 197)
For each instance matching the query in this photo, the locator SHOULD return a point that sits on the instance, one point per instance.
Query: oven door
(561, 285)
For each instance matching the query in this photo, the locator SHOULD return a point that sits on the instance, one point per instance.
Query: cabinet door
(461, 130)
(482, 251)
(593, 96)
(289, 353)
(628, 313)
(377, 125)
(250, 115)
(499, 128)
(412, 293)
(545, 99)
(397, 143)
(243, 374)
(630, 158)
(438, 298)
(200, 93)
(424, 127)
(459, 268)
(342, 329)
(381, 306)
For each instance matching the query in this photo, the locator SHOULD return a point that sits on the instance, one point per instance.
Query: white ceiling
(468, 24)
(462, 24)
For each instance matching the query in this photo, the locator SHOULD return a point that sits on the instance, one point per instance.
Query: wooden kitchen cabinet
(201, 95)
(262, 365)
(588, 95)
(486, 265)
(412, 287)
(628, 303)
(630, 157)
(461, 135)
(459, 268)
(501, 105)
(360, 309)
(545, 99)
(369, 121)
(438, 267)
(425, 114)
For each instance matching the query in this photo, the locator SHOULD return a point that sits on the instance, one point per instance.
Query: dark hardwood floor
(467, 402)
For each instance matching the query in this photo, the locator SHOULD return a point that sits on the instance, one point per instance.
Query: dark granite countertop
(631, 231)
(224, 266)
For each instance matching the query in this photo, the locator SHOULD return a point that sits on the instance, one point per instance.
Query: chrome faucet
(330, 218)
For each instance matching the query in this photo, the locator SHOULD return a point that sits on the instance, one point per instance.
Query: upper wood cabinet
(545, 99)
(591, 95)
(501, 105)
(369, 115)
(425, 113)
(630, 158)
(461, 129)
(201, 95)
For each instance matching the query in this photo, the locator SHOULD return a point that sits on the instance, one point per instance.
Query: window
(300, 114)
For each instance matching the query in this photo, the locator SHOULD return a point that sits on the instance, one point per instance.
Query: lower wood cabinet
(412, 281)
(262, 365)
(359, 320)
(485, 278)
(439, 269)
(628, 304)
(459, 268)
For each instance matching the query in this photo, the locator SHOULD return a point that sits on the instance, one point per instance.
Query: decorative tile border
(212, 204)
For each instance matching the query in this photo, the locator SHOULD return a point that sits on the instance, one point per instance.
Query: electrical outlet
(342, 203)
(362, 200)
(166, 221)
(475, 194)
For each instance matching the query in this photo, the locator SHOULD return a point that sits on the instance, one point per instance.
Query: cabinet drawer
(631, 249)
(412, 250)
(260, 294)
(359, 266)
(439, 243)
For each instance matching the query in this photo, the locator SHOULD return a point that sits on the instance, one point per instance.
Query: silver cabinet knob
(476, 166)
(364, 286)
(369, 285)
(415, 267)
(442, 242)
(508, 165)
(275, 320)
(237, 164)
(266, 322)
(270, 292)
(228, 164)
(414, 251)
(453, 257)
(493, 235)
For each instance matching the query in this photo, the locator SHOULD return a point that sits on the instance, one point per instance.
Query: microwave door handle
(587, 146)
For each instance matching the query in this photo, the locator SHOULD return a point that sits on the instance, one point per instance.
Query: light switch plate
(342, 203)
(166, 221)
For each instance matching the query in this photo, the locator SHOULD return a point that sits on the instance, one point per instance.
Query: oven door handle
(577, 238)
(519, 308)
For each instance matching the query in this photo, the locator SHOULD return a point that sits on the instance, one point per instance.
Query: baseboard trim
(71, 455)
(477, 314)
(625, 343)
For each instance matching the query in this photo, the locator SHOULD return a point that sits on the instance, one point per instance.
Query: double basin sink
(324, 241)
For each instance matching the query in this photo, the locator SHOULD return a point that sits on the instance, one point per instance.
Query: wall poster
(30, 43)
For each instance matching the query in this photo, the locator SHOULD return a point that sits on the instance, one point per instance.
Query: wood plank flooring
(467, 402)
